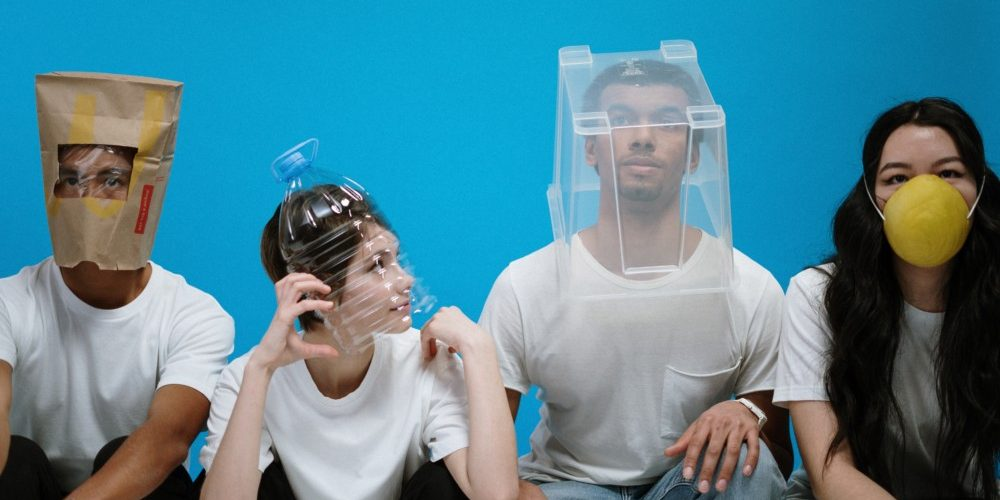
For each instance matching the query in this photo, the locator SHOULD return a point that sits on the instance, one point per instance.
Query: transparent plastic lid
(331, 228)
(640, 185)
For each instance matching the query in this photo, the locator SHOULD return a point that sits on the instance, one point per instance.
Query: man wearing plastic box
(652, 341)
(107, 360)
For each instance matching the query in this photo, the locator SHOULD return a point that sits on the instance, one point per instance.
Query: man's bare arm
(526, 489)
(514, 401)
(154, 449)
(775, 431)
(5, 395)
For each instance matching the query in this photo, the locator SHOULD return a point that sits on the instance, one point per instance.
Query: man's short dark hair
(641, 73)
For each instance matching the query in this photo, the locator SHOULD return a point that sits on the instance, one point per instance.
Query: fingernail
(721, 485)
(747, 470)
(703, 486)
(688, 473)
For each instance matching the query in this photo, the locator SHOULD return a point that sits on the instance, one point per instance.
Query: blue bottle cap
(293, 163)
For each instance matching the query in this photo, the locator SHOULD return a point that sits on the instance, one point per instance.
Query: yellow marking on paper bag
(81, 128)
(81, 131)
(101, 207)
(153, 115)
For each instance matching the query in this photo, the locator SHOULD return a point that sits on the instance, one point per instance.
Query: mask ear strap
(872, 198)
(982, 186)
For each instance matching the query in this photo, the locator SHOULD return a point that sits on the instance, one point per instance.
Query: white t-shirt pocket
(687, 395)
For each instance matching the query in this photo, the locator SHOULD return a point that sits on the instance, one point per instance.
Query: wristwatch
(761, 417)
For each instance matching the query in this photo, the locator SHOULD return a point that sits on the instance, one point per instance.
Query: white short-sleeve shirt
(365, 445)
(803, 361)
(83, 376)
(621, 379)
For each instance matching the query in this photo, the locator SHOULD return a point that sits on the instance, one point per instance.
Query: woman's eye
(896, 179)
(949, 174)
(113, 182)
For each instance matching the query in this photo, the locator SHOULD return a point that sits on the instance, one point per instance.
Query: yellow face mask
(926, 221)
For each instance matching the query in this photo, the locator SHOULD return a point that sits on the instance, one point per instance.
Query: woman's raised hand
(281, 344)
(452, 328)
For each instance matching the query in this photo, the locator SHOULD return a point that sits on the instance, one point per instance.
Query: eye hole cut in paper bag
(107, 148)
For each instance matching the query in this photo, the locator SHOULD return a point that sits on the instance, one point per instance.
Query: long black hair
(864, 304)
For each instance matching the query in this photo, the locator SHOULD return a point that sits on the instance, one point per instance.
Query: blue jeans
(799, 487)
(765, 482)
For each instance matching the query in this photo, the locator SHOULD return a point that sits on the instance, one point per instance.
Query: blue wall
(446, 113)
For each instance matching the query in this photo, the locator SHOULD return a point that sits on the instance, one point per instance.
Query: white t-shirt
(365, 445)
(84, 376)
(803, 362)
(620, 380)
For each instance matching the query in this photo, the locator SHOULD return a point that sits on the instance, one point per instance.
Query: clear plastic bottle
(329, 227)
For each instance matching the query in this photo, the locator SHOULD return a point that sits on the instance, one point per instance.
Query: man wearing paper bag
(107, 360)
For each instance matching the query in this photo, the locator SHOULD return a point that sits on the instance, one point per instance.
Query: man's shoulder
(18, 289)
(186, 294)
(542, 259)
(751, 276)
(194, 317)
(528, 276)
(754, 289)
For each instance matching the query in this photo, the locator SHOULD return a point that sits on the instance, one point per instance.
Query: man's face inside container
(94, 170)
(648, 148)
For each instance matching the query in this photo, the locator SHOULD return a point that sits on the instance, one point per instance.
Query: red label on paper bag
(147, 198)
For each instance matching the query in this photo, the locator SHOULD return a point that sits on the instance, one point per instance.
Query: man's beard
(641, 191)
(648, 190)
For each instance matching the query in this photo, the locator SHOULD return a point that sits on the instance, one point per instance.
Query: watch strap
(761, 416)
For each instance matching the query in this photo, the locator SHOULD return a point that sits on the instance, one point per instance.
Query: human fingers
(753, 452)
(451, 327)
(438, 326)
(729, 461)
(713, 450)
(288, 313)
(682, 442)
(306, 350)
(698, 440)
(426, 348)
(293, 287)
(428, 344)
(456, 317)
(292, 278)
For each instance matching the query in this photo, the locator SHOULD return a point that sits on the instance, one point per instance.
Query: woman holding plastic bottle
(349, 407)
(890, 355)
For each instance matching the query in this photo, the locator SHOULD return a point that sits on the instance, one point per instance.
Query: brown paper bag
(107, 147)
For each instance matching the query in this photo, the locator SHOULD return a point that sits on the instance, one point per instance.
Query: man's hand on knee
(719, 433)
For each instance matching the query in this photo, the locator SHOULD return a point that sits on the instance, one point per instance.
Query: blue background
(446, 113)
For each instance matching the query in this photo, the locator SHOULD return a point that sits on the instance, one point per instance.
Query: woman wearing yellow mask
(890, 355)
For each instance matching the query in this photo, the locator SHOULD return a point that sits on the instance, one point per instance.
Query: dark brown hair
(324, 244)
